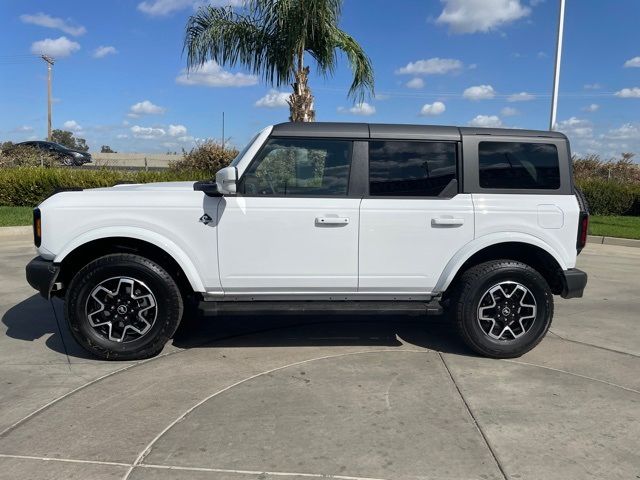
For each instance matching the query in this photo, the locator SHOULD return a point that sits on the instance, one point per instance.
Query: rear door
(413, 219)
(292, 229)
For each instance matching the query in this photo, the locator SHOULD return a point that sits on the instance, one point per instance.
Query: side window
(422, 169)
(519, 165)
(309, 167)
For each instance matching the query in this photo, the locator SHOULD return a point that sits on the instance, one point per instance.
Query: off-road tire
(160, 283)
(471, 287)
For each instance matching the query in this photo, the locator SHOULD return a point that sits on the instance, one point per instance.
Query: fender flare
(480, 243)
(160, 241)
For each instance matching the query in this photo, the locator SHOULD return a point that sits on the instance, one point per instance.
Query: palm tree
(271, 37)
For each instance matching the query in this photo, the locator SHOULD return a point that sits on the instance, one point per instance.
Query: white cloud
(591, 108)
(44, 20)
(274, 99)
(103, 51)
(576, 127)
(23, 129)
(592, 86)
(470, 16)
(72, 125)
(58, 48)
(415, 82)
(633, 62)
(147, 132)
(628, 131)
(145, 108)
(362, 108)
(158, 8)
(432, 109)
(122, 135)
(486, 121)
(479, 92)
(520, 97)
(213, 75)
(509, 112)
(628, 93)
(177, 131)
(431, 66)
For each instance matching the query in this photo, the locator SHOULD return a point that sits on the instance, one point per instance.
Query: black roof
(397, 131)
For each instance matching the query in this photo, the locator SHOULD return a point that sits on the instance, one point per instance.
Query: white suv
(484, 223)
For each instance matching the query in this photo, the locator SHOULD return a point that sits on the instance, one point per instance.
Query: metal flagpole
(556, 73)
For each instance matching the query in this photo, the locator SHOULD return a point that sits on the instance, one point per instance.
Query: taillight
(37, 227)
(583, 231)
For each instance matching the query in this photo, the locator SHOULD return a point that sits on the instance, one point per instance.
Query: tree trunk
(301, 100)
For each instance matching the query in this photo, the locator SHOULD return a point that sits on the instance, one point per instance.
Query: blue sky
(118, 77)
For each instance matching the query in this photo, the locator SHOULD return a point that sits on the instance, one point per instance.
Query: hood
(151, 187)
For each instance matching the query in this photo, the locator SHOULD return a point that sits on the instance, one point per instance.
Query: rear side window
(418, 169)
(513, 165)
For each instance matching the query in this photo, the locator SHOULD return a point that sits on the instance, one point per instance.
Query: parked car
(484, 224)
(66, 155)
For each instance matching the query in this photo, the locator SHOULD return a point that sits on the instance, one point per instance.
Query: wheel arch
(97, 243)
(529, 250)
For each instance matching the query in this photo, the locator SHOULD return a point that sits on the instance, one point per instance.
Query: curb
(16, 231)
(622, 242)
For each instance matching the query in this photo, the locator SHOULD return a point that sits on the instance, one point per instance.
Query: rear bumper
(41, 275)
(573, 283)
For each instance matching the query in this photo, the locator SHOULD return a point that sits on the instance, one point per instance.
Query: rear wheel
(503, 308)
(123, 306)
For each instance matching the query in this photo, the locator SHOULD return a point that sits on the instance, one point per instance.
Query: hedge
(611, 197)
(28, 186)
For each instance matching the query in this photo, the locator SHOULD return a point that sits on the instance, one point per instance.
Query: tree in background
(271, 37)
(106, 149)
(66, 138)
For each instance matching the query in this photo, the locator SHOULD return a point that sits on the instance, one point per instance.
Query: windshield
(236, 160)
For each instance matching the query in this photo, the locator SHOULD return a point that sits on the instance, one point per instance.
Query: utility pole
(50, 62)
(556, 73)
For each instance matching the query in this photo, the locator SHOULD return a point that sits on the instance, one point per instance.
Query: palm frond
(363, 80)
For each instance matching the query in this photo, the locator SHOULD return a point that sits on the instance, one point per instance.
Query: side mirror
(226, 179)
(210, 189)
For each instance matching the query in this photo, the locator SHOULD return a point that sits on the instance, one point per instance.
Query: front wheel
(123, 307)
(503, 308)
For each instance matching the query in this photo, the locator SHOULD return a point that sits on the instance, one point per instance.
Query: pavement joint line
(586, 377)
(147, 450)
(63, 460)
(612, 350)
(256, 472)
(473, 418)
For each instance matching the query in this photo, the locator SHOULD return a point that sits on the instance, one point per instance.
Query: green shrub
(28, 186)
(609, 197)
(207, 156)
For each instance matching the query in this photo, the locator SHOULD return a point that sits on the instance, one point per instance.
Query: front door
(413, 221)
(292, 229)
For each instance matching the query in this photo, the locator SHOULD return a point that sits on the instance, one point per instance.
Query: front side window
(399, 168)
(294, 167)
(519, 165)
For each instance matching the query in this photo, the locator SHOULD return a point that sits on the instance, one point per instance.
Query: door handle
(447, 222)
(332, 220)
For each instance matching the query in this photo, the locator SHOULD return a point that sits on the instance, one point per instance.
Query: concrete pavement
(313, 396)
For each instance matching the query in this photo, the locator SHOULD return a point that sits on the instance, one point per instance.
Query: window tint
(307, 167)
(410, 168)
(519, 165)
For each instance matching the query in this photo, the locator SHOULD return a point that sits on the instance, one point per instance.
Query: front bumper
(42, 275)
(573, 283)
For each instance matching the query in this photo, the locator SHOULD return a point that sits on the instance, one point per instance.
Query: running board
(432, 307)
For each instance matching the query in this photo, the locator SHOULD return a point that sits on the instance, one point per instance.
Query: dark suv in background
(66, 155)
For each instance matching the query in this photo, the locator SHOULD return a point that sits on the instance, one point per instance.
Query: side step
(432, 307)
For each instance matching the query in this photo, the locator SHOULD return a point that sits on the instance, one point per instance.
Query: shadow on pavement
(34, 318)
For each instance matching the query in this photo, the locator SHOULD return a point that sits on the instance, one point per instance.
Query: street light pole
(556, 73)
(50, 62)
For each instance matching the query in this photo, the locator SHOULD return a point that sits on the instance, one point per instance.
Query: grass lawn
(623, 227)
(13, 216)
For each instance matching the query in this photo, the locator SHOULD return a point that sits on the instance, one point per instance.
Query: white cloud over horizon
(210, 74)
(492, 121)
